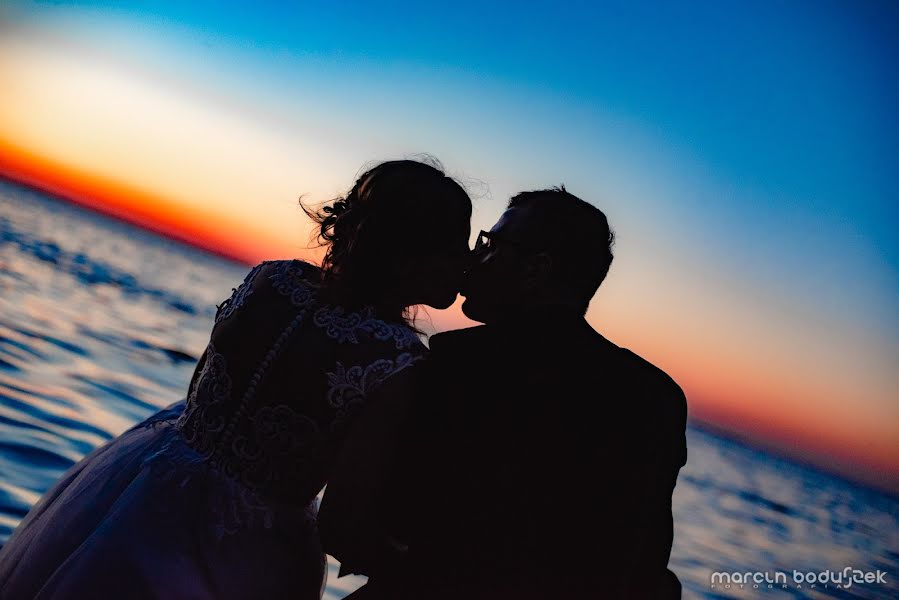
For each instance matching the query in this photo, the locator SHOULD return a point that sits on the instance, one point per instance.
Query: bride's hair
(395, 213)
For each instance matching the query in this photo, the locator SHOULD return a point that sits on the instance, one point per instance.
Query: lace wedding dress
(215, 497)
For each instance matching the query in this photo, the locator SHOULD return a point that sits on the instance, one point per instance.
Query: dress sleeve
(239, 294)
(353, 525)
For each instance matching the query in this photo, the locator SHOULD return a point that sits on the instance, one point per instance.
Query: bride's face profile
(435, 280)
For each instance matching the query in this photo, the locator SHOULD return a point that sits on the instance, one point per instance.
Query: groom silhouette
(540, 460)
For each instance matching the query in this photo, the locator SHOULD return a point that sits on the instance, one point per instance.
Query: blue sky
(790, 103)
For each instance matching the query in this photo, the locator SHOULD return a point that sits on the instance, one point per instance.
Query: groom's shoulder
(655, 392)
(645, 374)
(457, 339)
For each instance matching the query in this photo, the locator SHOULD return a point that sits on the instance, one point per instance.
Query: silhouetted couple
(526, 458)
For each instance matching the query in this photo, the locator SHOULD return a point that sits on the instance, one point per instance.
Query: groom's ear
(540, 267)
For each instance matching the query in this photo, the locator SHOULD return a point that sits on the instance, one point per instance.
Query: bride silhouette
(215, 497)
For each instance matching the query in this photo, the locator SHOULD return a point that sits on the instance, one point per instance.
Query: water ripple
(86, 270)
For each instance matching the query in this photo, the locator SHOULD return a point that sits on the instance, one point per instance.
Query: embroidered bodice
(282, 377)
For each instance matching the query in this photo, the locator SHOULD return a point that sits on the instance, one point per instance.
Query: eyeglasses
(487, 241)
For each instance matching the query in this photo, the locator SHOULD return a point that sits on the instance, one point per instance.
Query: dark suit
(540, 463)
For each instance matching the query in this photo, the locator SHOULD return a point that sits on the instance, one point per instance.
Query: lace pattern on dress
(346, 327)
(282, 431)
(348, 388)
(230, 505)
(239, 295)
(203, 419)
(292, 280)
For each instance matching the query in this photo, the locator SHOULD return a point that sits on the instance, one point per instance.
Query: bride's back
(282, 376)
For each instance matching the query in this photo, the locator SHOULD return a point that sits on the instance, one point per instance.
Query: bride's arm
(353, 519)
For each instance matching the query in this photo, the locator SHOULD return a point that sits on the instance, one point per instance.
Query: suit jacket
(541, 457)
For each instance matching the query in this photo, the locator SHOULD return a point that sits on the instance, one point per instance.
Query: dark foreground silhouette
(540, 458)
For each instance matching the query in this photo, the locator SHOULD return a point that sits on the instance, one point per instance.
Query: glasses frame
(480, 246)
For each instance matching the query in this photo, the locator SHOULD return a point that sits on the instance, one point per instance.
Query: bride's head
(398, 238)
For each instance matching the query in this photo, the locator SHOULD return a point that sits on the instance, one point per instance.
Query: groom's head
(548, 247)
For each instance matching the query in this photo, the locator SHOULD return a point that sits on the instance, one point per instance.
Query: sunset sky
(746, 153)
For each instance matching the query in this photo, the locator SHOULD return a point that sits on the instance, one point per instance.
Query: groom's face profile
(498, 280)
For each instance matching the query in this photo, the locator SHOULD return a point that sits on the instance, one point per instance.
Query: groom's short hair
(575, 234)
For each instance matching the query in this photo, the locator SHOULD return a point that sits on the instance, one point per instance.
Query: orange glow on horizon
(853, 454)
(804, 433)
(201, 228)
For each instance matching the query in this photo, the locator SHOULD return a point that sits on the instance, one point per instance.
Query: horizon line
(754, 442)
(72, 200)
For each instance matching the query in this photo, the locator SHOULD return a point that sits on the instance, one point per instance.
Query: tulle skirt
(145, 516)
